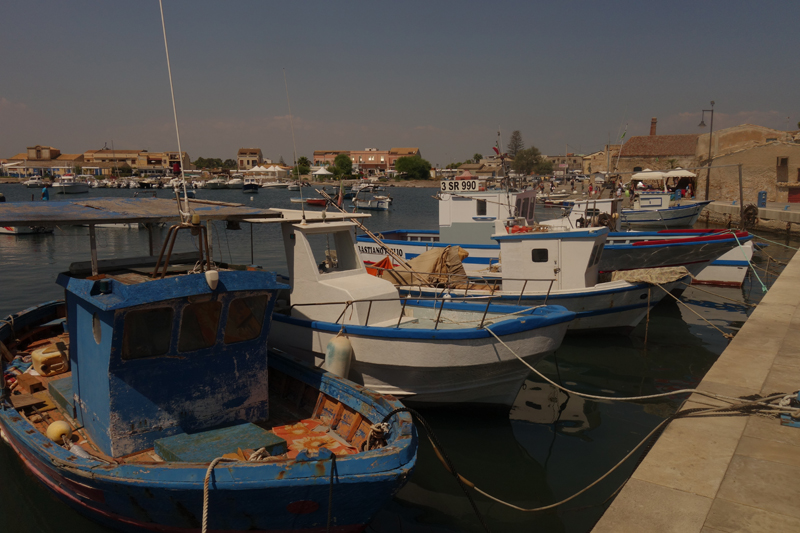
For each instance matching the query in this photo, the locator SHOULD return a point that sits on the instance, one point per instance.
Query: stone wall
(759, 173)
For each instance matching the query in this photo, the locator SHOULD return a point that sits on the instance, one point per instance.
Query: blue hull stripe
(537, 318)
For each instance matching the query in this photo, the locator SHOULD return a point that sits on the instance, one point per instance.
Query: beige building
(565, 164)
(248, 158)
(601, 160)
(369, 160)
(41, 160)
(773, 167)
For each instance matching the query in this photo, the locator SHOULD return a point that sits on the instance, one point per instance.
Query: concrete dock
(733, 473)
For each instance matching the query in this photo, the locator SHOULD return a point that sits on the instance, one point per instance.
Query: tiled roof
(404, 151)
(69, 157)
(113, 152)
(660, 145)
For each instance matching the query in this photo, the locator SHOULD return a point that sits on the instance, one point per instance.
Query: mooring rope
(742, 406)
(726, 335)
(205, 491)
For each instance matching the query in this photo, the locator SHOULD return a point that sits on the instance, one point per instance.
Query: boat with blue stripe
(154, 384)
(423, 351)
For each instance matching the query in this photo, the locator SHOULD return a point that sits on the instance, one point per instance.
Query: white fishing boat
(375, 203)
(275, 185)
(294, 186)
(235, 183)
(659, 209)
(469, 220)
(543, 266)
(216, 183)
(34, 183)
(419, 350)
(730, 269)
(67, 184)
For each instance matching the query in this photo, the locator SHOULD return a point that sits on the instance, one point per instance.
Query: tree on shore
(531, 160)
(303, 166)
(343, 165)
(515, 144)
(414, 167)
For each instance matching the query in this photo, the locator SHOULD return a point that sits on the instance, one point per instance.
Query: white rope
(185, 213)
(612, 398)
(205, 491)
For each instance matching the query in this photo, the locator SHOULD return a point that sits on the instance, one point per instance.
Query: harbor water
(547, 447)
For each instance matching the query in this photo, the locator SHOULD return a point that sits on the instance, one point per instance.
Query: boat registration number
(460, 185)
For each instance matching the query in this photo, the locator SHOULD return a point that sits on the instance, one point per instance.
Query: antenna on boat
(294, 145)
(185, 212)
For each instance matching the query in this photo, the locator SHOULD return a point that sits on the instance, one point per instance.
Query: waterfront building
(41, 160)
(369, 160)
(248, 158)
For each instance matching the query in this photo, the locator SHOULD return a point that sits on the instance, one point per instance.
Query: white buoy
(338, 355)
(58, 430)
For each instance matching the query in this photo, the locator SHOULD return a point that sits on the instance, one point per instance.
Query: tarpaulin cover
(437, 266)
(651, 275)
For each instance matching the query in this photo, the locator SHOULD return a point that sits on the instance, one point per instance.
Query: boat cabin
(325, 268)
(548, 258)
(472, 217)
(156, 358)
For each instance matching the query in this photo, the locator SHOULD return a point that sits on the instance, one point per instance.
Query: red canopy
(465, 176)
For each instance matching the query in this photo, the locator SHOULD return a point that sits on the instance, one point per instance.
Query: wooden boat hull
(244, 496)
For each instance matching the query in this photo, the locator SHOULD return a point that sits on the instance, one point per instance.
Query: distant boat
(376, 203)
(35, 183)
(216, 183)
(235, 183)
(24, 230)
(250, 185)
(294, 187)
(67, 184)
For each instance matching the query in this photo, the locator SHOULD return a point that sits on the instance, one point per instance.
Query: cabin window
(525, 204)
(539, 255)
(147, 333)
(199, 325)
(334, 252)
(245, 317)
(594, 257)
(480, 208)
(637, 169)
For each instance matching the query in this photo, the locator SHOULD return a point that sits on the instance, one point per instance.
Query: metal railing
(493, 282)
(404, 300)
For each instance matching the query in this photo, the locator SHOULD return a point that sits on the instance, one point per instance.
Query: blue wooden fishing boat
(155, 384)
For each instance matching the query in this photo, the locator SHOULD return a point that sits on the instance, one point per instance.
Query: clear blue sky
(443, 76)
